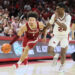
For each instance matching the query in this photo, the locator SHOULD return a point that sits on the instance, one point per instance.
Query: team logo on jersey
(35, 31)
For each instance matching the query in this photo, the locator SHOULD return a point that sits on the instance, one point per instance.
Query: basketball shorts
(62, 40)
(29, 42)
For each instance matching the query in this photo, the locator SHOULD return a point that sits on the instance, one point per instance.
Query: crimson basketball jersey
(32, 33)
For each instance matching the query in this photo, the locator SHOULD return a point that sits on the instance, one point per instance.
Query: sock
(19, 62)
(25, 61)
(56, 55)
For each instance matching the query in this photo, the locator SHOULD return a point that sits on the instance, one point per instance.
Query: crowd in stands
(13, 13)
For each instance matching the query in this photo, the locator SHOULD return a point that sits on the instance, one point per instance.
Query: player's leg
(25, 41)
(30, 45)
(51, 50)
(63, 58)
(63, 54)
(52, 44)
(25, 62)
(23, 56)
(64, 47)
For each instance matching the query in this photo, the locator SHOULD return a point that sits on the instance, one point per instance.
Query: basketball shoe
(17, 65)
(55, 58)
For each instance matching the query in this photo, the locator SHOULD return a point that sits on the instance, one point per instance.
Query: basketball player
(31, 29)
(61, 21)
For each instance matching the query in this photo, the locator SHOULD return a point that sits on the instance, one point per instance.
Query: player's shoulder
(53, 15)
(26, 24)
(68, 15)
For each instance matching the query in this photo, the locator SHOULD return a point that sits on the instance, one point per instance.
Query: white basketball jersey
(66, 19)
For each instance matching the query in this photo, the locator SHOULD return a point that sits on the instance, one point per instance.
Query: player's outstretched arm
(19, 33)
(48, 25)
(16, 37)
(44, 30)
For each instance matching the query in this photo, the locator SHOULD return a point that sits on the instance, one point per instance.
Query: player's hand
(48, 25)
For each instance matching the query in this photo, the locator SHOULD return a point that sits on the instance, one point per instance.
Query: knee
(63, 51)
(50, 50)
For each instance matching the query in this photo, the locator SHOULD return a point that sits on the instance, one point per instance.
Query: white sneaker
(16, 66)
(55, 59)
(61, 68)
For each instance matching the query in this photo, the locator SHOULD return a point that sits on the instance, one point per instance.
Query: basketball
(6, 48)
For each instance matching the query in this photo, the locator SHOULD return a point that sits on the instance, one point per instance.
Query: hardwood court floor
(43, 68)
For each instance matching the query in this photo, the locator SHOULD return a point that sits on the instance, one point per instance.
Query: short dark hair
(32, 14)
(61, 5)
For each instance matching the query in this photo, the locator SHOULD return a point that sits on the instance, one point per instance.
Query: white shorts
(55, 40)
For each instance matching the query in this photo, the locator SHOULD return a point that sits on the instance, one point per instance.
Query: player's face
(32, 20)
(59, 10)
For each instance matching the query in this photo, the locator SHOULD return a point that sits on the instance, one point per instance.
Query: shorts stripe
(32, 41)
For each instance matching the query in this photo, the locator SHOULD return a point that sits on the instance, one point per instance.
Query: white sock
(61, 65)
(19, 62)
(56, 55)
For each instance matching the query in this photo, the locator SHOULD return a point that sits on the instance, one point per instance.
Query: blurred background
(13, 13)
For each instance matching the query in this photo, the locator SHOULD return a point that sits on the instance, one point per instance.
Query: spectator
(1, 24)
(27, 7)
(15, 25)
(45, 9)
(12, 19)
(6, 3)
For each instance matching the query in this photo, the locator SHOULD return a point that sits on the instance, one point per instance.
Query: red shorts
(29, 42)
